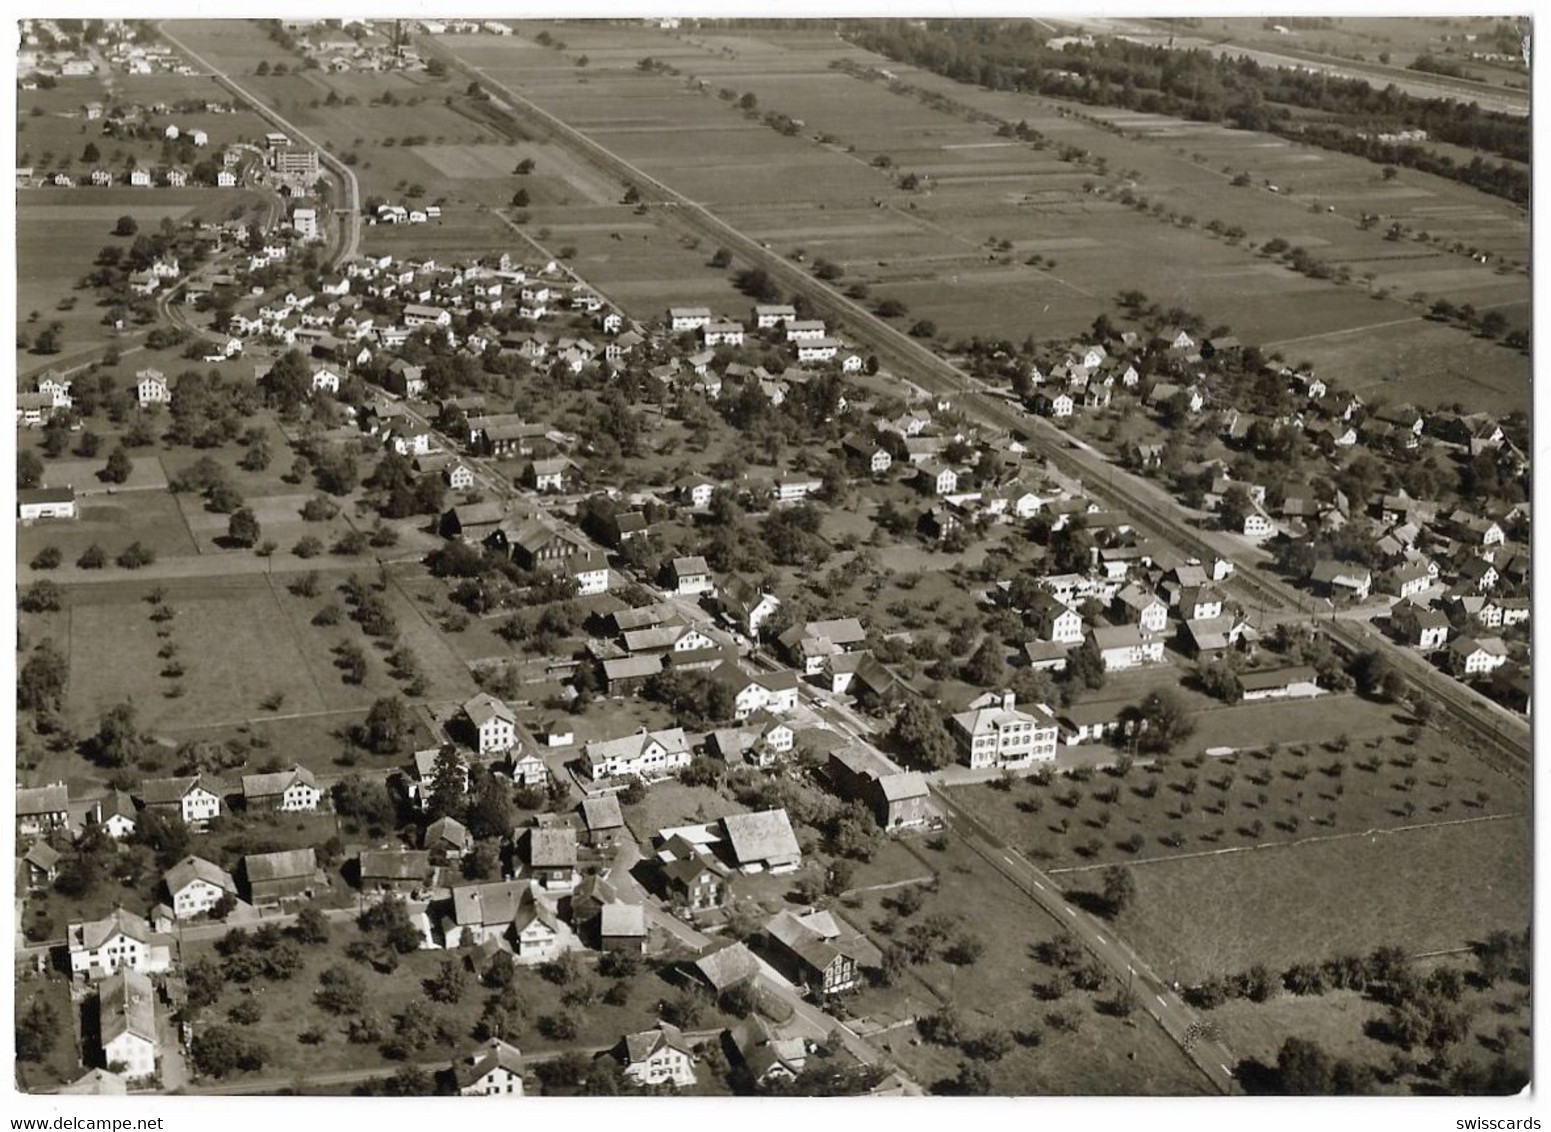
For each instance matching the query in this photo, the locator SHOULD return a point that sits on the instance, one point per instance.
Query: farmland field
(1433, 889)
(932, 249)
(59, 233)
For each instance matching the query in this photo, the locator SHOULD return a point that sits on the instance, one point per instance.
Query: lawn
(151, 518)
(234, 648)
(1255, 797)
(1425, 890)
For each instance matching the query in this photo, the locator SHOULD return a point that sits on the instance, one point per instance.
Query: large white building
(995, 732)
(305, 221)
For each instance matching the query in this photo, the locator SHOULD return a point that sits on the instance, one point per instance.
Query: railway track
(1507, 736)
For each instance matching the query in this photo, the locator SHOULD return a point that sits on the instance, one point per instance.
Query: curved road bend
(349, 244)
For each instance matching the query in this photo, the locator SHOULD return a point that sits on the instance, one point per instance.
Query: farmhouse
(1126, 646)
(552, 857)
(286, 875)
(814, 952)
(119, 941)
(1341, 579)
(403, 871)
(1477, 656)
(195, 800)
(195, 886)
(289, 791)
(688, 318)
(126, 1020)
(492, 1070)
(495, 727)
(643, 754)
(152, 388)
(897, 800)
(657, 1057)
(690, 576)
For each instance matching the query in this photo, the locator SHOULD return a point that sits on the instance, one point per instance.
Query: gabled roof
(288, 864)
(171, 791)
(602, 812)
(639, 1047)
(485, 707)
(1277, 677)
(127, 1006)
(268, 785)
(394, 864)
(552, 848)
(91, 935)
(763, 836)
(488, 904)
(51, 799)
(447, 829)
(190, 869)
(622, 920)
(727, 964)
(476, 1065)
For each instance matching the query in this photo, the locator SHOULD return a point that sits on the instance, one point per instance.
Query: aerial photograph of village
(804, 557)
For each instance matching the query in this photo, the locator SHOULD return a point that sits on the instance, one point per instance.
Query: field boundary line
(1320, 839)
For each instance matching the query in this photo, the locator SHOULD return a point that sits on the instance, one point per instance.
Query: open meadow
(1426, 889)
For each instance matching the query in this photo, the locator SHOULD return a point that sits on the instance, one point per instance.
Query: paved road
(1152, 994)
(350, 222)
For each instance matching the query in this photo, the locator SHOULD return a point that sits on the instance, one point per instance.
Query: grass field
(112, 522)
(1104, 1056)
(1426, 890)
(58, 235)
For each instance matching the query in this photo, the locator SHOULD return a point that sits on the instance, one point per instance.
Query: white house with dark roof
(691, 576)
(494, 723)
(42, 809)
(657, 1057)
(126, 1020)
(492, 1070)
(688, 318)
(195, 799)
(994, 731)
(195, 885)
(293, 791)
(120, 940)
